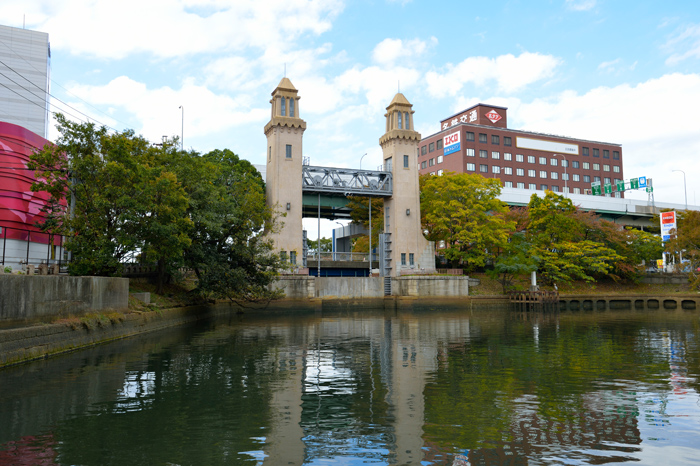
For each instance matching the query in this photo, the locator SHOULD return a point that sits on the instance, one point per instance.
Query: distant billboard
(451, 143)
(547, 146)
(668, 223)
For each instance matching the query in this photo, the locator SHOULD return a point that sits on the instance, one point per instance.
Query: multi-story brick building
(477, 140)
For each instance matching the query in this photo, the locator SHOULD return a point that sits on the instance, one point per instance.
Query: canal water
(353, 385)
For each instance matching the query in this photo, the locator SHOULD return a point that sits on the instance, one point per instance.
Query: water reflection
(413, 385)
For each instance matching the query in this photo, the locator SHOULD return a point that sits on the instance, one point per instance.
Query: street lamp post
(684, 188)
(335, 245)
(566, 177)
(361, 160)
(182, 129)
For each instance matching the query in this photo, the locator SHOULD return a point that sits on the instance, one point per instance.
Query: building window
(575, 177)
(606, 180)
(431, 162)
(291, 114)
(432, 173)
(405, 117)
(506, 140)
(574, 164)
(284, 106)
(431, 147)
(424, 164)
(483, 138)
(508, 184)
(584, 151)
(531, 173)
(577, 190)
(596, 152)
(423, 150)
(470, 136)
(596, 178)
(483, 154)
(400, 120)
(606, 154)
(543, 187)
(269, 154)
(554, 175)
(471, 167)
(283, 256)
(543, 160)
(495, 139)
(403, 258)
(606, 168)
(289, 151)
(484, 168)
(405, 161)
(565, 163)
(586, 165)
(438, 143)
(470, 152)
(508, 170)
(507, 156)
(565, 176)
(616, 168)
(495, 155)
(495, 169)
(553, 162)
(543, 173)
(388, 165)
(596, 166)
(530, 159)
(586, 179)
(616, 155)
(520, 185)
(292, 254)
(520, 172)
(555, 188)
(410, 259)
(519, 158)
(439, 172)
(439, 159)
(532, 186)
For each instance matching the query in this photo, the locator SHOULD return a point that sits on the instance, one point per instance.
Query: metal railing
(35, 243)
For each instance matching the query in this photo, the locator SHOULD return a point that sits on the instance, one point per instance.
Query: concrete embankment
(41, 340)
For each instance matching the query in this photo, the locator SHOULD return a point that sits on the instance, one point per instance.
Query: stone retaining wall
(38, 341)
(26, 298)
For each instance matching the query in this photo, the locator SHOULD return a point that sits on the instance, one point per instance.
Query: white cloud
(510, 73)
(389, 51)
(684, 45)
(580, 5)
(608, 65)
(157, 109)
(654, 121)
(169, 29)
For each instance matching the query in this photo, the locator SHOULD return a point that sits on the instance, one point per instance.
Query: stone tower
(284, 165)
(409, 248)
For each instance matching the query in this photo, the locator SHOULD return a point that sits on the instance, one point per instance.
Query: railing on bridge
(345, 181)
(343, 256)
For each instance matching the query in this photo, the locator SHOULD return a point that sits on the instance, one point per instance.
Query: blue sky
(616, 71)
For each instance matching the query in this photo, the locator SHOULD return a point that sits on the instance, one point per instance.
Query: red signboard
(493, 116)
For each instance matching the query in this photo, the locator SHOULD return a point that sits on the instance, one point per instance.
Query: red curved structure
(20, 207)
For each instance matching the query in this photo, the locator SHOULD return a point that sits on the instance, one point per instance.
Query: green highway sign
(620, 185)
(650, 189)
(608, 188)
(595, 188)
(634, 183)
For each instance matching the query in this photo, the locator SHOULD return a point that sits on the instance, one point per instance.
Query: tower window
(289, 151)
(284, 106)
(405, 161)
(400, 126)
(291, 107)
(405, 117)
(269, 154)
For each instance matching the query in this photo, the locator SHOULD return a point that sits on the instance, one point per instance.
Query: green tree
(464, 211)
(686, 243)
(515, 260)
(360, 215)
(326, 245)
(229, 253)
